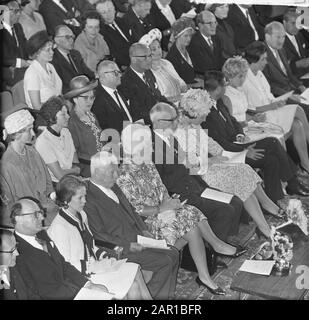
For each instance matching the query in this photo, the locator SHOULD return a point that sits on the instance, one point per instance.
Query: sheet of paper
(262, 267)
(152, 243)
(167, 216)
(91, 294)
(305, 95)
(284, 96)
(235, 157)
(109, 265)
(217, 195)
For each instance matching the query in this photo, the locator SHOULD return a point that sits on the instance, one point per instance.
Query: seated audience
(112, 218)
(169, 82)
(244, 22)
(14, 60)
(205, 48)
(30, 19)
(90, 43)
(110, 106)
(266, 154)
(22, 167)
(83, 124)
(238, 179)
(224, 31)
(140, 181)
(235, 71)
(137, 18)
(43, 269)
(116, 33)
(73, 238)
(55, 144)
(67, 61)
(277, 71)
(41, 79)
(56, 12)
(138, 83)
(12, 284)
(178, 55)
(295, 45)
(223, 218)
(163, 17)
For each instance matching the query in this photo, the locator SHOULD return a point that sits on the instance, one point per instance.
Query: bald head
(207, 23)
(275, 35)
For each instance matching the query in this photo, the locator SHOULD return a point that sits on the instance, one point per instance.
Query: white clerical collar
(30, 239)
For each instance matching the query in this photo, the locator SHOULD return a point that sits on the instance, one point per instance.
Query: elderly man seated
(23, 171)
(138, 83)
(42, 267)
(223, 218)
(112, 218)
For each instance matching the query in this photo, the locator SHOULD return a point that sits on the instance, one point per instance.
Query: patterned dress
(235, 178)
(142, 185)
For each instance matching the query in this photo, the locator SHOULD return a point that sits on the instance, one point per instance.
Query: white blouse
(37, 79)
(239, 103)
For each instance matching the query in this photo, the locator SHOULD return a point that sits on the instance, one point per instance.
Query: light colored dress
(37, 79)
(235, 178)
(30, 26)
(91, 54)
(71, 245)
(56, 149)
(142, 186)
(257, 91)
(169, 82)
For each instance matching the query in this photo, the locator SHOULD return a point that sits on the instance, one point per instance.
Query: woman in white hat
(23, 170)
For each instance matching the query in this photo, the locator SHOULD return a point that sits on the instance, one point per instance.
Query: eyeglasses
(37, 214)
(87, 97)
(67, 37)
(115, 72)
(144, 56)
(8, 251)
(212, 23)
(169, 120)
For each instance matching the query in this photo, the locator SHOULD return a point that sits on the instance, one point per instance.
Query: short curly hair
(51, 107)
(234, 67)
(195, 103)
(90, 14)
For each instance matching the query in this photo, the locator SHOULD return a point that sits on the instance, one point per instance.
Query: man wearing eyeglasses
(67, 61)
(14, 55)
(110, 106)
(205, 49)
(43, 269)
(139, 84)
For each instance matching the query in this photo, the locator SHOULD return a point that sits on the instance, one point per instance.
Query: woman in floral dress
(166, 217)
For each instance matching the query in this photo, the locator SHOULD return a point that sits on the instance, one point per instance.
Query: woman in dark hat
(83, 125)
(41, 79)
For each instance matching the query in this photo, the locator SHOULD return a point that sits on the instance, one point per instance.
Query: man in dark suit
(112, 218)
(168, 159)
(56, 12)
(110, 106)
(137, 18)
(266, 154)
(39, 262)
(205, 49)
(295, 45)
(277, 71)
(244, 22)
(14, 54)
(116, 33)
(138, 83)
(67, 61)
(181, 6)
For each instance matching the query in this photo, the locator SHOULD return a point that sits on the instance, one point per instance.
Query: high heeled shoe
(260, 234)
(219, 291)
(239, 252)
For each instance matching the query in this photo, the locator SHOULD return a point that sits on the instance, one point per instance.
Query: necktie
(211, 45)
(116, 28)
(72, 63)
(280, 62)
(15, 36)
(146, 80)
(42, 243)
(117, 97)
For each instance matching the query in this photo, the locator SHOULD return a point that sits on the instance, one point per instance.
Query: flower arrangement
(296, 214)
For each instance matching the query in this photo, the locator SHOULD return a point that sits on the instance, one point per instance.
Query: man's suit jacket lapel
(205, 46)
(64, 62)
(136, 79)
(291, 47)
(274, 61)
